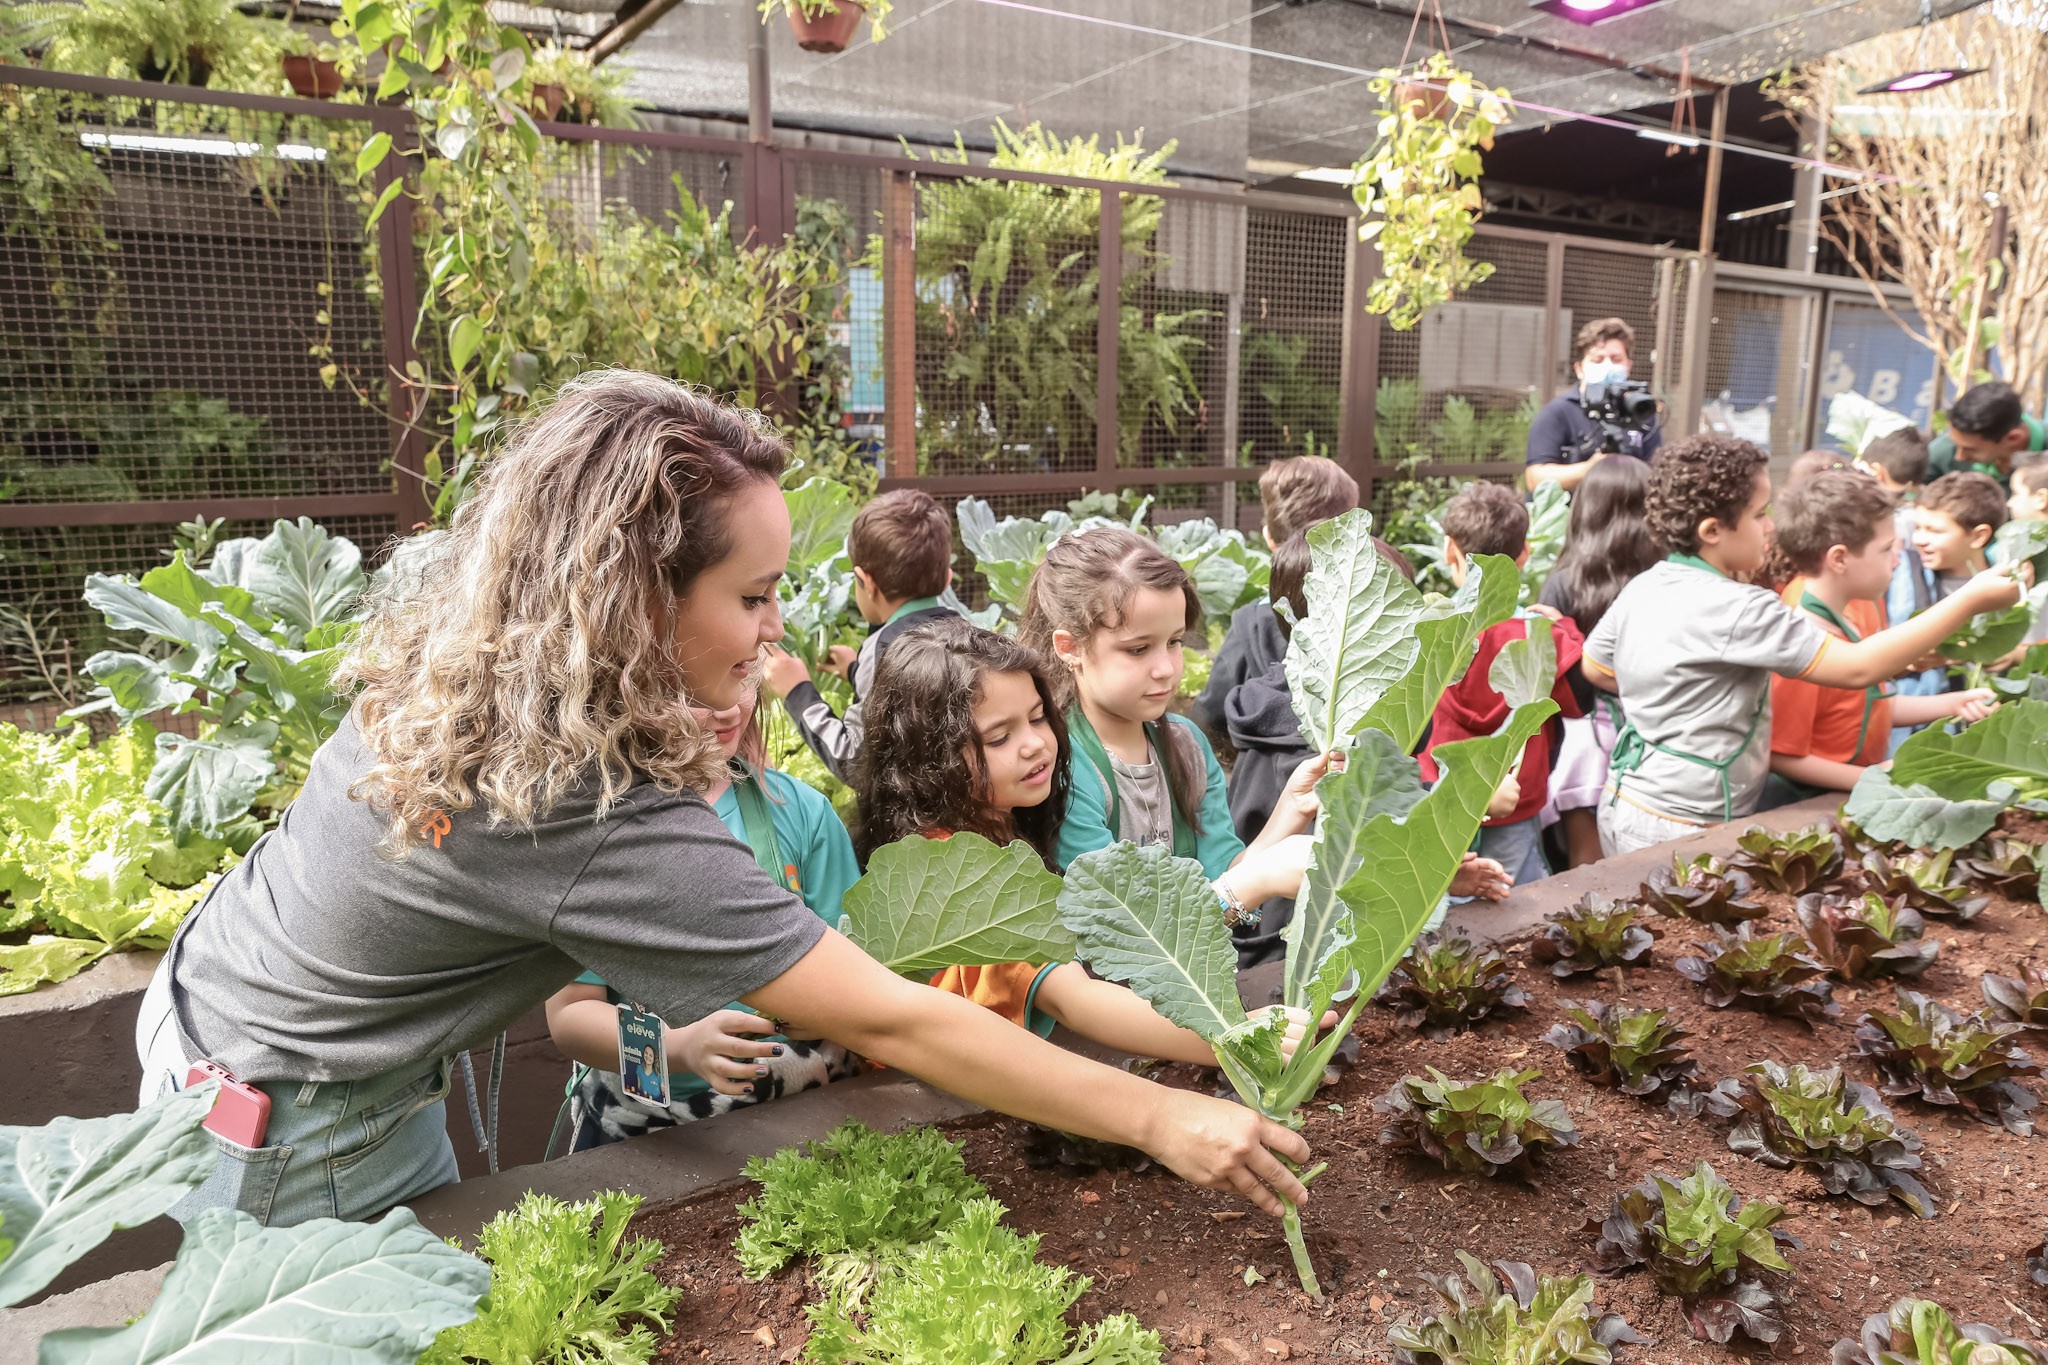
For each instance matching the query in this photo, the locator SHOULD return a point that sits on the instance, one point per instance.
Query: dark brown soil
(1177, 1256)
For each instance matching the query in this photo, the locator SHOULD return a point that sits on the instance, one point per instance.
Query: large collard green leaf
(189, 591)
(1409, 861)
(305, 577)
(1377, 779)
(66, 1185)
(1525, 670)
(821, 512)
(1921, 816)
(2024, 541)
(2010, 745)
(206, 784)
(137, 684)
(130, 606)
(1446, 637)
(1989, 636)
(329, 1291)
(1359, 638)
(959, 902)
(1012, 538)
(1150, 920)
(1550, 519)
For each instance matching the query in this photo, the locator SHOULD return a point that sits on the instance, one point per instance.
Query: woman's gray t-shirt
(320, 959)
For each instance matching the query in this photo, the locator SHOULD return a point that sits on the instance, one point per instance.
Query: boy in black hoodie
(901, 545)
(1294, 495)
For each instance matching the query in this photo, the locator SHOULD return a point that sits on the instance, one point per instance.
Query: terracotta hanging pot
(1435, 103)
(547, 102)
(311, 77)
(826, 32)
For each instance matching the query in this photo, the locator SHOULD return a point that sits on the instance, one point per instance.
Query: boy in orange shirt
(1837, 529)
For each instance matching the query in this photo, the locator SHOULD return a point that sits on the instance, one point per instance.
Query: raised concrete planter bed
(704, 1160)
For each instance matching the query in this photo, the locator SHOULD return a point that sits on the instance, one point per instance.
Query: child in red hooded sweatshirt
(1487, 519)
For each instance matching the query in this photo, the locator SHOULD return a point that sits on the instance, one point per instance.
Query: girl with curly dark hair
(1691, 648)
(963, 737)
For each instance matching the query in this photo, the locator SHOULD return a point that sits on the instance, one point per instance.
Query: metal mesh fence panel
(1006, 299)
(1183, 269)
(1291, 337)
(166, 274)
(1756, 369)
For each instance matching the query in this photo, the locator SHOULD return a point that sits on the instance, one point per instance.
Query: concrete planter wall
(677, 1165)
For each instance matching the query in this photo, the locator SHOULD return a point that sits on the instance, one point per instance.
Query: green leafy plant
(1796, 862)
(565, 1283)
(1702, 1243)
(153, 40)
(1444, 987)
(2021, 999)
(1929, 1050)
(1523, 1319)
(1839, 1129)
(1421, 179)
(1920, 1332)
(589, 94)
(853, 1192)
(1485, 1127)
(247, 645)
(1384, 854)
(1636, 1051)
(2011, 867)
(974, 1286)
(878, 12)
(1772, 973)
(1867, 935)
(1886, 815)
(1702, 889)
(2003, 747)
(1008, 285)
(1929, 882)
(1593, 933)
(238, 1293)
(89, 862)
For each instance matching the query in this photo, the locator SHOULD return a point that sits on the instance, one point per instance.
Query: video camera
(1619, 406)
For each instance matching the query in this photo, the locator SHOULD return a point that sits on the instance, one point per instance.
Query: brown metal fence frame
(767, 204)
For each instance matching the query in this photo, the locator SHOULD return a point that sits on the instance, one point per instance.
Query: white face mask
(1599, 371)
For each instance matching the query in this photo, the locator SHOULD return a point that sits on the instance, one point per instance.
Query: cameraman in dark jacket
(1565, 440)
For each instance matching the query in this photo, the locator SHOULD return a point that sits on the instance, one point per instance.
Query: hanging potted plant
(315, 69)
(563, 85)
(1418, 188)
(828, 25)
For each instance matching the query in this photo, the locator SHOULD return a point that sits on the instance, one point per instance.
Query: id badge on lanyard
(643, 1057)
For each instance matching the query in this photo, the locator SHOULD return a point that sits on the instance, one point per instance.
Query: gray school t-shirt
(1693, 653)
(318, 959)
(1146, 815)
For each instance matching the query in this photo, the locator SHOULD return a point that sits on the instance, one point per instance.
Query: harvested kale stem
(2021, 999)
(1866, 935)
(1702, 889)
(1897, 1337)
(1929, 1050)
(1701, 1243)
(1594, 933)
(1841, 1129)
(1447, 987)
(1485, 1127)
(1774, 973)
(1927, 881)
(1534, 1321)
(1800, 861)
(1636, 1051)
(2009, 867)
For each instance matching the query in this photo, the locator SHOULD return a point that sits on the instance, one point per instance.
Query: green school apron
(1631, 748)
(1088, 743)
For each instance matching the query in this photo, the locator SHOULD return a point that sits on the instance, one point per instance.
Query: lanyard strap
(1631, 749)
(760, 822)
(1872, 694)
(1091, 746)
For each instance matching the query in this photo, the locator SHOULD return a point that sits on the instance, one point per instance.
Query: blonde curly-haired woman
(512, 801)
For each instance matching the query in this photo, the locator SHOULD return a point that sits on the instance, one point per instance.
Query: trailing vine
(1418, 187)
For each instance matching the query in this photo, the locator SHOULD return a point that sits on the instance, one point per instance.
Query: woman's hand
(1974, 704)
(1273, 870)
(1225, 1146)
(718, 1048)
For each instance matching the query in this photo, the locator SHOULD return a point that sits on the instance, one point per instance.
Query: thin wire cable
(1600, 120)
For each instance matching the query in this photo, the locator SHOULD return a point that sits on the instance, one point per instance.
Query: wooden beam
(630, 25)
(1710, 204)
(899, 323)
(1109, 308)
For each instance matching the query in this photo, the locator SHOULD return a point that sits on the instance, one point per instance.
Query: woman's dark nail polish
(777, 1052)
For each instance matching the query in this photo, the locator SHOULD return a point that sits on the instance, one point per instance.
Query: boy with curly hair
(1691, 649)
